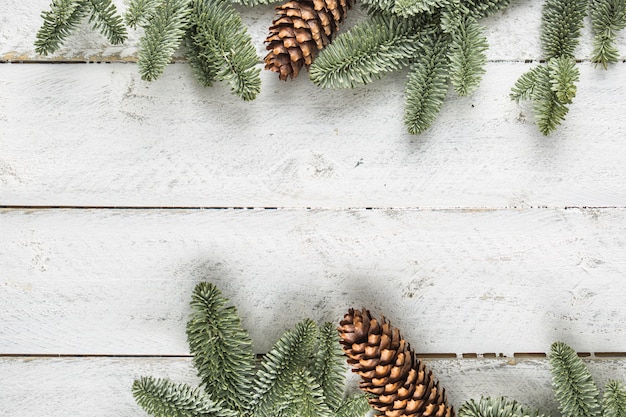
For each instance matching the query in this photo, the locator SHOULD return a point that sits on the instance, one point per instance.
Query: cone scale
(396, 379)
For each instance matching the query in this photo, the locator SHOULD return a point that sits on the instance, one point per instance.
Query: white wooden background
(481, 239)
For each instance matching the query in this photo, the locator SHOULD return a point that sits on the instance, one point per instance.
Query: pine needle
(139, 12)
(104, 18)
(467, 56)
(614, 399)
(329, 365)
(562, 21)
(608, 17)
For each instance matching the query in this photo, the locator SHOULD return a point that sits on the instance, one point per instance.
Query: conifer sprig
(139, 12)
(163, 34)
(280, 365)
(608, 17)
(222, 349)
(58, 23)
(328, 366)
(379, 45)
(614, 399)
(427, 85)
(574, 388)
(164, 398)
(467, 56)
(495, 407)
(354, 406)
(222, 49)
(104, 17)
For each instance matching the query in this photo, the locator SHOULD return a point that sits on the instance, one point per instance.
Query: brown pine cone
(400, 383)
(300, 30)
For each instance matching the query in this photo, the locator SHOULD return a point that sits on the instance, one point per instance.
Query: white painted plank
(513, 34)
(502, 281)
(96, 135)
(97, 387)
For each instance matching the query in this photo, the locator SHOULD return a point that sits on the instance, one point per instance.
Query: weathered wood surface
(459, 281)
(100, 387)
(96, 135)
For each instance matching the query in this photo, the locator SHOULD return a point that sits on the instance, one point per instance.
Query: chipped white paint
(470, 248)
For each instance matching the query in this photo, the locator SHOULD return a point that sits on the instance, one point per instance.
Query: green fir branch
(495, 407)
(483, 8)
(163, 398)
(555, 89)
(379, 45)
(614, 399)
(563, 77)
(222, 349)
(104, 18)
(304, 398)
(288, 356)
(427, 85)
(608, 17)
(527, 83)
(354, 406)
(139, 12)
(221, 48)
(329, 365)
(163, 35)
(467, 56)
(562, 21)
(574, 388)
(58, 23)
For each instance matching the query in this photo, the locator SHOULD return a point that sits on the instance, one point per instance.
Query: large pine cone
(300, 30)
(400, 384)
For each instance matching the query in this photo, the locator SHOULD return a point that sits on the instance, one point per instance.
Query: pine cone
(300, 30)
(400, 384)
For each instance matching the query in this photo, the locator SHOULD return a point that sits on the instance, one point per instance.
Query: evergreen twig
(614, 399)
(163, 34)
(467, 56)
(222, 349)
(379, 45)
(104, 18)
(139, 12)
(495, 407)
(608, 17)
(427, 85)
(329, 365)
(275, 376)
(58, 23)
(221, 48)
(562, 21)
(354, 406)
(574, 388)
(164, 398)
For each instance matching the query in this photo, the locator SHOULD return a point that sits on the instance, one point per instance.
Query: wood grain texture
(100, 387)
(96, 135)
(513, 34)
(503, 281)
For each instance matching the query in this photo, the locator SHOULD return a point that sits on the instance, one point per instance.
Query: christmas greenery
(575, 391)
(440, 42)
(301, 376)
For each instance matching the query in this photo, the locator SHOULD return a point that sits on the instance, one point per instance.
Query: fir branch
(355, 406)
(563, 76)
(494, 407)
(467, 56)
(483, 8)
(554, 90)
(139, 12)
(562, 21)
(608, 17)
(104, 18)
(275, 376)
(163, 398)
(574, 388)
(379, 45)
(614, 399)
(222, 49)
(222, 349)
(58, 24)
(527, 83)
(427, 85)
(163, 34)
(329, 365)
(304, 398)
